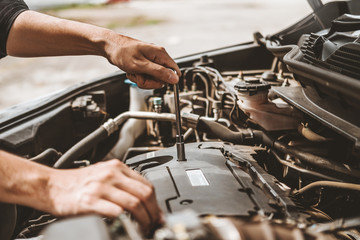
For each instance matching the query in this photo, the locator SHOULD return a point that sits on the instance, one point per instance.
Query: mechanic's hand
(145, 64)
(106, 188)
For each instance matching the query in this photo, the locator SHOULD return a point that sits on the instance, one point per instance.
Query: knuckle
(87, 200)
(107, 174)
(133, 66)
(161, 48)
(115, 163)
(117, 211)
(134, 204)
(94, 189)
(146, 84)
(148, 193)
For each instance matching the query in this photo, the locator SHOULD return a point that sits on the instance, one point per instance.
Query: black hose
(47, 157)
(81, 147)
(315, 160)
(309, 158)
(222, 132)
(103, 132)
(246, 136)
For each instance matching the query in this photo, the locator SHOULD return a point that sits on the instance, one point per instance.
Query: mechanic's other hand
(106, 188)
(145, 64)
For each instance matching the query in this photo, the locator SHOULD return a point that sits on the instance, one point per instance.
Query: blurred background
(183, 27)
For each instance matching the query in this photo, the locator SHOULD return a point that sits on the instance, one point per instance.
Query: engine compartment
(272, 152)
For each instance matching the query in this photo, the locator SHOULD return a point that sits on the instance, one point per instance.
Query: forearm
(24, 182)
(34, 34)
(105, 188)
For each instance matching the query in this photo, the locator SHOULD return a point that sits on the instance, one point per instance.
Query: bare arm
(106, 188)
(34, 34)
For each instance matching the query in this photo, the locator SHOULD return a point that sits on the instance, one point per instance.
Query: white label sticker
(197, 177)
(150, 155)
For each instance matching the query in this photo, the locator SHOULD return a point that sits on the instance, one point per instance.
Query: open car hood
(272, 131)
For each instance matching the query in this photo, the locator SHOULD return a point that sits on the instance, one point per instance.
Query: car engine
(271, 132)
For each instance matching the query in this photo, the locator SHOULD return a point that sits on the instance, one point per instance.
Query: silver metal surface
(144, 115)
(179, 137)
(110, 126)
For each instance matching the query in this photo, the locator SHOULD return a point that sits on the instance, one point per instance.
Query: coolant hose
(222, 132)
(103, 132)
(81, 147)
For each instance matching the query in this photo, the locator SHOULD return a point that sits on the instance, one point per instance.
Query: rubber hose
(316, 161)
(220, 131)
(81, 147)
(309, 158)
(47, 157)
(330, 184)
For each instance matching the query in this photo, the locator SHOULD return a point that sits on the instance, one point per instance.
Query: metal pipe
(315, 160)
(336, 225)
(207, 103)
(104, 131)
(310, 135)
(219, 120)
(188, 133)
(330, 184)
(188, 102)
(144, 115)
(179, 137)
(206, 84)
(302, 170)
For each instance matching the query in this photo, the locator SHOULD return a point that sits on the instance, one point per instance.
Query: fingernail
(173, 78)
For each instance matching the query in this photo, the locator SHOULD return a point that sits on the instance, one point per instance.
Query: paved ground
(181, 26)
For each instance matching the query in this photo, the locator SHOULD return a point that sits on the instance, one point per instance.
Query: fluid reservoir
(270, 115)
(132, 128)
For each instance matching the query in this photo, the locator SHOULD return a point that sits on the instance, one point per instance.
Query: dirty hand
(146, 64)
(106, 188)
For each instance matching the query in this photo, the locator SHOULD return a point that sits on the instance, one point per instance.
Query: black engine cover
(207, 182)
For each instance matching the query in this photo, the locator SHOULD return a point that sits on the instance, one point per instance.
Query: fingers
(153, 76)
(132, 174)
(106, 188)
(142, 189)
(131, 204)
(160, 73)
(145, 193)
(158, 55)
(154, 67)
(133, 193)
(107, 208)
(148, 65)
(144, 82)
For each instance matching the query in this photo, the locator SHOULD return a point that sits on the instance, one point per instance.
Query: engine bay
(271, 132)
